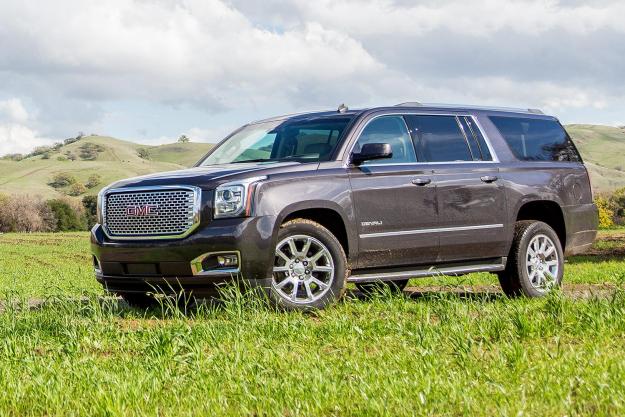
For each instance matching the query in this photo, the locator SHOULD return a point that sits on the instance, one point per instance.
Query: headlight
(234, 198)
(99, 203)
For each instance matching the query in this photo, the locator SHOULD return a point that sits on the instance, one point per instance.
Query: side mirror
(371, 151)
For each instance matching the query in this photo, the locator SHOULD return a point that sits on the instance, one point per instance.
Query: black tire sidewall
(339, 283)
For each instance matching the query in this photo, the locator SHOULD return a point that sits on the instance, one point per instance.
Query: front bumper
(127, 266)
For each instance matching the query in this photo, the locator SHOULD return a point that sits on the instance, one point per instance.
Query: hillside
(116, 159)
(603, 150)
(602, 147)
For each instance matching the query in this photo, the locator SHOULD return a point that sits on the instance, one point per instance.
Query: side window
(391, 130)
(536, 139)
(439, 139)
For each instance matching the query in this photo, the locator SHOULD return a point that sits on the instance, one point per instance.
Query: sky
(149, 71)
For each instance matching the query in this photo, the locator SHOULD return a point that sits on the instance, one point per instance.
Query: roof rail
(464, 106)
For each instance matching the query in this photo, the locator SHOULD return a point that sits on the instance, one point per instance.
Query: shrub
(62, 179)
(40, 150)
(89, 151)
(76, 189)
(68, 217)
(69, 141)
(23, 213)
(617, 203)
(606, 214)
(61, 158)
(93, 181)
(143, 153)
(90, 204)
(45, 155)
(70, 155)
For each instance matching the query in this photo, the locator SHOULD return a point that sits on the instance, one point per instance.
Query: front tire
(310, 267)
(141, 301)
(536, 261)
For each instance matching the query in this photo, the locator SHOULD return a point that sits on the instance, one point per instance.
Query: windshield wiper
(254, 160)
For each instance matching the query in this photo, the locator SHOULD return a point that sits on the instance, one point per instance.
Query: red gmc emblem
(142, 211)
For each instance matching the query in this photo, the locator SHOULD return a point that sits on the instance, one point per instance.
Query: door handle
(489, 178)
(421, 181)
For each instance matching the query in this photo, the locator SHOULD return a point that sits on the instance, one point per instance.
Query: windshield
(310, 140)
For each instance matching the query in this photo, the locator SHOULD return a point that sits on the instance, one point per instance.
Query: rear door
(470, 196)
(394, 199)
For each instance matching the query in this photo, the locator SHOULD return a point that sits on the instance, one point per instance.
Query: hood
(210, 176)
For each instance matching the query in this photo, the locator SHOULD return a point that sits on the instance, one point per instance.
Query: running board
(430, 272)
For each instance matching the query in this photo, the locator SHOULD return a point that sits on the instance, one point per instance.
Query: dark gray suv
(301, 205)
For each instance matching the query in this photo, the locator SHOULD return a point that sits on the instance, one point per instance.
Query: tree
(62, 179)
(184, 139)
(93, 181)
(67, 218)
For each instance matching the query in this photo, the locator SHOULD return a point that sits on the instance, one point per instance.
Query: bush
(62, 179)
(93, 181)
(606, 214)
(617, 203)
(143, 153)
(76, 189)
(23, 213)
(90, 204)
(67, 215)
(70, 155)
(89, 151)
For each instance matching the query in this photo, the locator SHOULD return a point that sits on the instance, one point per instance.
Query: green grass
(426, 354)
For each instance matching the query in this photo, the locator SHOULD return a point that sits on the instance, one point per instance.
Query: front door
(395, 200)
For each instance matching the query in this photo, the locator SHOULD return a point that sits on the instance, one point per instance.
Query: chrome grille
(151, 213)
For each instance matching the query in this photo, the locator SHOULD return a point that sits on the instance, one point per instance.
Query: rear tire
(396, 286)
(310, 267)
(536, 261)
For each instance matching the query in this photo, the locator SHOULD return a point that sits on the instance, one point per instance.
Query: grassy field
(421, 353)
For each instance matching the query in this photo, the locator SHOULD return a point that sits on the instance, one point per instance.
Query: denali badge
(142, 211)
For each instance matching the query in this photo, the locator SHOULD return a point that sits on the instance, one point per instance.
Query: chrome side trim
(430, 272)
(196, 265)
(434, 230)
(197, 206)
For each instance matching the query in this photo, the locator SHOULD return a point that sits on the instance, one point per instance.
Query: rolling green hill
(115, 160)
(602, 147)
(603, 150)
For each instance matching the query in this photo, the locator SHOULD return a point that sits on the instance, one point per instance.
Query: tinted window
(391, 130)
(536, 139)
(439, 139)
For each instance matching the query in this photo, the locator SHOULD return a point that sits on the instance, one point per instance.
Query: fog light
(228, 261)
(216, 263)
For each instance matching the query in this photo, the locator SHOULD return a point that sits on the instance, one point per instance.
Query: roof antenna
(342, 108)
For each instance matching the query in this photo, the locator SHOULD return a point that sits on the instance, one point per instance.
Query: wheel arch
(546, 211)
(327, 214)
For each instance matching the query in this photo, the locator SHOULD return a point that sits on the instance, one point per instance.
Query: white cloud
(78, 61)
(15, 135)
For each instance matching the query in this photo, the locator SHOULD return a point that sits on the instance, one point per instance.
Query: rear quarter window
(536, 139)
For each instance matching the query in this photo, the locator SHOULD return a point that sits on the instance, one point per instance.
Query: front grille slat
(150, 213)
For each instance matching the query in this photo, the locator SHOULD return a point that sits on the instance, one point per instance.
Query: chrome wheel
(303, 269)
(542, 263)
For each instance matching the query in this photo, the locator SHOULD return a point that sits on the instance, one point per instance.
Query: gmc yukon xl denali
(302, 205)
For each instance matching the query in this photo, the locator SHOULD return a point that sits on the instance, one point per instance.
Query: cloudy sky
(149, 71)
